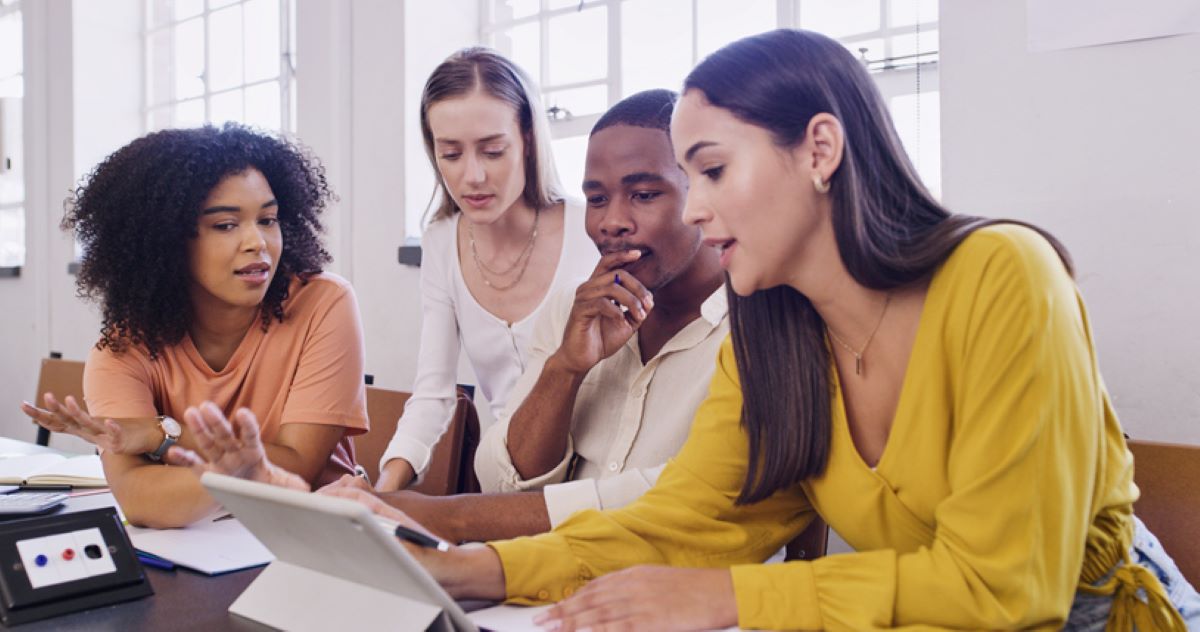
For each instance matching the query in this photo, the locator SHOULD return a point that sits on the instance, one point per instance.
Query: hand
(396, 474)
(648, 598)
(131, 436)
(433, 513)
(233, 450)
(598, 325)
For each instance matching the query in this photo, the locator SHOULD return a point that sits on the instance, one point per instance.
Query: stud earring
(822, 186)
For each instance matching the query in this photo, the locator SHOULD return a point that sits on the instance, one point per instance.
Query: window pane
(504, 10)
(906, 12)
(579, 101)
(720, 22)
(189, 114)
(11, 54)
(561, 4)
(217, 4)
(12, 153)
(12, 237)
(189, 59)
(523, 46)
(262, 105)
(160, 118)
(13, 86)
(578, 46)
(917, 123)
(161, 86)
(225, 48)
(570, 154)
(907, 44)
(837, 18)
(656, 44)
(262, 40)
(226, 106)
(187, 8)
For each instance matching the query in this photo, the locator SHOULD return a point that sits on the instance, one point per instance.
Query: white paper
(1060, 24)
(209, 546)
(15, 469)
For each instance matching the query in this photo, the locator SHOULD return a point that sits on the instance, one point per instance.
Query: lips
(478, 200)
(260, 267)
(608, 250)
(725, 246)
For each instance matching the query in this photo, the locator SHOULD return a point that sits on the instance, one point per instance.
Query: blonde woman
(502, 239)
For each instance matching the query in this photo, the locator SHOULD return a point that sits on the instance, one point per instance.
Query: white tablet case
(336, 567)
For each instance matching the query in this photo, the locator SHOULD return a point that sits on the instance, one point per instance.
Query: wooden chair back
(1168, 476)
(811, 542)
(62, 378)
(451, 469)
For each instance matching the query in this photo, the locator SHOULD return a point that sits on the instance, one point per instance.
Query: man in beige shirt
(616, 368)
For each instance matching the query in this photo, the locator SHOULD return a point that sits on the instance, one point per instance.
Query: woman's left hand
(648, 598)
(231, 449)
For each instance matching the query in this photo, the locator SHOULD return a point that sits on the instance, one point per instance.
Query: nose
(474, 171)
(695, 211)
(617, 220)
(254, 238)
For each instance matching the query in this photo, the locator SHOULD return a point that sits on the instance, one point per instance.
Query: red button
(69, 554)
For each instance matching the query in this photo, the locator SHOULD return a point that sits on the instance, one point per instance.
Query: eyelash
(228, 226)
(490, 154)
(646, 196)
(713, 173)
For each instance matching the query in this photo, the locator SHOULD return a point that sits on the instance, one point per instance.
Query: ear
(824, 145)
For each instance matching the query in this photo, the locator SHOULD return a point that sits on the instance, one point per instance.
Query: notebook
(52, 469)
(213, 545)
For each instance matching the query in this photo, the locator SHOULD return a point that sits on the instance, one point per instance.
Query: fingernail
(542, 618)
(617, 278)
(551, 625)
(636, 253)
(649, 301)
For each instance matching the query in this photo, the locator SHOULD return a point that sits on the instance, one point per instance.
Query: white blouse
(452, 318)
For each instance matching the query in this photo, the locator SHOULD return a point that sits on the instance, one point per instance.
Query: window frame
(286, 76)
(11, 271)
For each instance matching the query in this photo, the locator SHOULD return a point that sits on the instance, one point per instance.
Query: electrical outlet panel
(65, 557)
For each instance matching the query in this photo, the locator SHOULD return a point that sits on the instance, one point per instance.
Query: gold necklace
(525, 257)
(858, 355)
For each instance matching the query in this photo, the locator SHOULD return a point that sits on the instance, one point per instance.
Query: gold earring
(820, 185)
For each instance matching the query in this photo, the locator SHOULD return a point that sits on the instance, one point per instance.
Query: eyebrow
(234, 209)
(639, 177)
(485, 139)
(687, 157)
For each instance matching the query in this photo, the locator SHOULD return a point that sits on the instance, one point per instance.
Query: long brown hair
(485, 69)
(889, 230)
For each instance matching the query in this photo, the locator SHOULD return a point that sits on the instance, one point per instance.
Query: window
(219, 60)
(12, 170)
(588, 55)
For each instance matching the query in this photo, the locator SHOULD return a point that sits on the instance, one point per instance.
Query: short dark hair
(648, 108)
(137, 209)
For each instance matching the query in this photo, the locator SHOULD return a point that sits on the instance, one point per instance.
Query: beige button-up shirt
(628, 419)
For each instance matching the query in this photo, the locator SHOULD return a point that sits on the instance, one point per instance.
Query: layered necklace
(858, 355)
(521, 260)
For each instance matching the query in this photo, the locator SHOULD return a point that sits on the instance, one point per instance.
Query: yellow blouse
(1004, 484)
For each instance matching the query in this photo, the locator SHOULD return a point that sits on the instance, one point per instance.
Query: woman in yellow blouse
(925, 382)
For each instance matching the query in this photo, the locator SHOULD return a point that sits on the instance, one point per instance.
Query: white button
(614, 466)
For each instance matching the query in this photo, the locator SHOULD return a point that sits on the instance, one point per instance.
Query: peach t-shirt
(306, 369)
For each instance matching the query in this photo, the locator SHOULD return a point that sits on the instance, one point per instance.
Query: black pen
(420, 539)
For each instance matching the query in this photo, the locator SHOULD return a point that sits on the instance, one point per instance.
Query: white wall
(360, 70)
(1100, 146)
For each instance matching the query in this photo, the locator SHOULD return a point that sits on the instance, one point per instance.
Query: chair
(811, 542)
(62, 378)
(1169, 477)
(451, 466)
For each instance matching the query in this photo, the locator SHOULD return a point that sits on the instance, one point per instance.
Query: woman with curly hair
(202, 247)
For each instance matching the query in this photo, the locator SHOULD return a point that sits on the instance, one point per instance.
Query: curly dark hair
(135, 212)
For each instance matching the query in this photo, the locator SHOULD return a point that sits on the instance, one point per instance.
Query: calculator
(30, 502)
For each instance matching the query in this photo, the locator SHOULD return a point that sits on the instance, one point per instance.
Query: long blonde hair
(485, 69)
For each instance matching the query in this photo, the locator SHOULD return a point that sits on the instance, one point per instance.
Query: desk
(182, 600)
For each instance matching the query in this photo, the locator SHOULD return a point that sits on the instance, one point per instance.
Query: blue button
(40, 560)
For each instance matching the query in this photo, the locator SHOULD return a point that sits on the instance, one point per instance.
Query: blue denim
(1089, 613)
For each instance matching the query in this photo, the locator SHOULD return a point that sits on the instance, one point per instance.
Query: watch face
(171, 427)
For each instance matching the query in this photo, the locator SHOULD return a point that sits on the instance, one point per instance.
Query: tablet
(335, 564)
